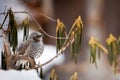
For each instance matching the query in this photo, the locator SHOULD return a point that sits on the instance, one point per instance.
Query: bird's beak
(38, 36)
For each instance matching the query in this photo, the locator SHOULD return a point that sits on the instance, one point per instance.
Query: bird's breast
(36, 50)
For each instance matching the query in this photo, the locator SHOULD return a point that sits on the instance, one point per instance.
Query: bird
(33, 46)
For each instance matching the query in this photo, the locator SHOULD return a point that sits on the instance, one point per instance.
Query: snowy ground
(49, 52)
(18, 75)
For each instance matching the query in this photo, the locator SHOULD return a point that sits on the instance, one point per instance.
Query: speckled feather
(32, 47)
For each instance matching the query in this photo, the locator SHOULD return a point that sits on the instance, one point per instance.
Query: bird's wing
(23, 48)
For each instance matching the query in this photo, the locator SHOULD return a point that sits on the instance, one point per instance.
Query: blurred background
(100, 18)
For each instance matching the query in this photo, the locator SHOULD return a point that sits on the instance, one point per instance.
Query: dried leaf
(13, 31)
(96, 47)
(74, 76)
(119, 45)
(110, 55)
(60, 33)
(41, 73)
(113, 50)
(93, 54)
(9, 39)
(3, 63)
(110, 39)
(77, 25)
(73, 49)
(93, 47)
(76, 35)
(25, 25)
(53, 75)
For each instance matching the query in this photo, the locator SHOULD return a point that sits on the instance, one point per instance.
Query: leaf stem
(103, 48)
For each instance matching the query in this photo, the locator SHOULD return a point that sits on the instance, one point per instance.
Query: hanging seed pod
(53, 75)
(93, 53)
(13, 31)
(41, 73)
(110, 55)
(93, 47)
(109, 42)
(116, 53)
(73, 48)
(61, 33)
(11, 23)
(74, 76)
(15, 39)
(119, 45)
(25, 26)
(75, 36)
(93, 43)
(96, 47)
(3, 63)
(113, 50)
(9, 39)
(77, 25)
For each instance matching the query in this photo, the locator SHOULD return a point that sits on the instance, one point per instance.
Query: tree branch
(29, 12)
(43, 30)
(58, 53)
(26, 12)
(4, 21)
(11, 59)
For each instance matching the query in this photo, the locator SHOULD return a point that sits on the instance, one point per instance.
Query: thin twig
(30, 12)
(43, 30)
(4, 21)
(26, 12)
(103, 48)
(47, 17)
(14, 12)
(58, 53)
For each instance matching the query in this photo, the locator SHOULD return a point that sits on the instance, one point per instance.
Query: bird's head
(35, 37)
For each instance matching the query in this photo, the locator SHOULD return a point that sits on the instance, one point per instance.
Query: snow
(48, 53)
(18, 75)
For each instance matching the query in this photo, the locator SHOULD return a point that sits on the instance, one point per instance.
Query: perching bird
(33, 46)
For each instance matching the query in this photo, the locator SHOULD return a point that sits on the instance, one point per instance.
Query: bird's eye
(39, 36)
